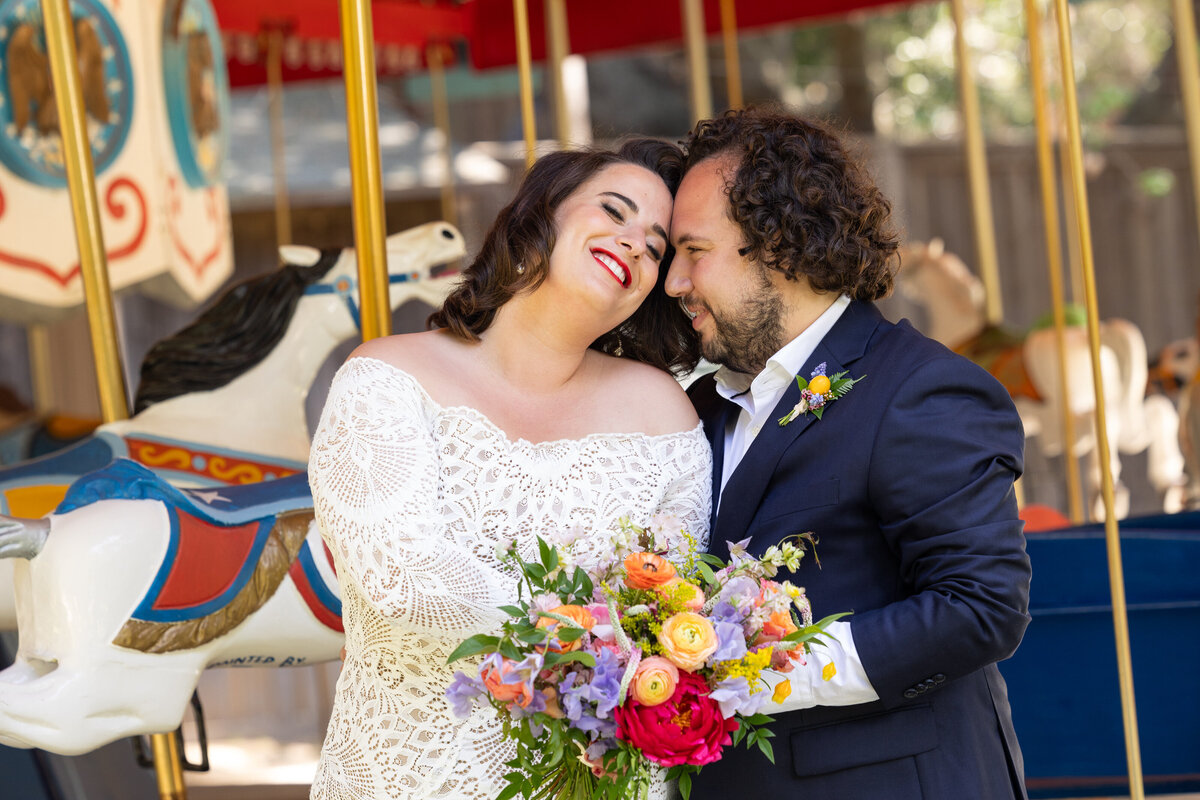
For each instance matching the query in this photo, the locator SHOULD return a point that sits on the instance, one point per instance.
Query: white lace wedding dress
(413, 499)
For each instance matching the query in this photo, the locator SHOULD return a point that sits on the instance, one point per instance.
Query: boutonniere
(819, 391)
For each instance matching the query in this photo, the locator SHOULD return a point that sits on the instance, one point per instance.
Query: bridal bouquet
(600, 673)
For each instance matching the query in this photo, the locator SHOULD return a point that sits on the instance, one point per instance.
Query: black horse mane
(231, 337)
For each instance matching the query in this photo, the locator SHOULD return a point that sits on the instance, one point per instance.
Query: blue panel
(1063, 680)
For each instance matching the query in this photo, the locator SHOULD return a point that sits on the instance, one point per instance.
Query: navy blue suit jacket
(907, 483)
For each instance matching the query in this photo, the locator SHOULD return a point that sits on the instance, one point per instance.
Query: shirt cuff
(832, 675)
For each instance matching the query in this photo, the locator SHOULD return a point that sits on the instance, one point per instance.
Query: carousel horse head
(249, 320)
(939, 280)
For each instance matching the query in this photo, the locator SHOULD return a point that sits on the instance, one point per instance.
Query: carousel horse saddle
(123, 479)
(227, 551)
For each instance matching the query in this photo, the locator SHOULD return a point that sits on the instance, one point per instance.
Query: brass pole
(558, 47)
(977, 175)
(525, 72)
(733, 67)
(1116, 577)
(441, 117)
(85, 212)
(1189, 82)
(38, 338)
(700, 92)
(283, 211)
(1046, 175)
(362, 119)
(85, 209)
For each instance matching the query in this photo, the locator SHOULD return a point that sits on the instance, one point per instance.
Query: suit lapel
(845, 343)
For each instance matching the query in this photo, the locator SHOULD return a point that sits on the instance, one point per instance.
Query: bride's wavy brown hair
(658, 333)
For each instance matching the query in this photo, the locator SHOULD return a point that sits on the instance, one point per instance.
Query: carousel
(174, 536)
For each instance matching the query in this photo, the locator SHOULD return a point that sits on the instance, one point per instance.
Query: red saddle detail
(207, 562)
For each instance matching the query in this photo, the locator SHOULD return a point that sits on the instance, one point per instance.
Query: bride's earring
(520, 269)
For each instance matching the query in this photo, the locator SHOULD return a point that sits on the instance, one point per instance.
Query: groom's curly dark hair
(804, 202)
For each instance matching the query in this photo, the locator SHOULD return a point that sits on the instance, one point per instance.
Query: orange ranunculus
(577, 613)
(647, 570)
(778, 625)
(691, 595)
(518, 693)
(654, 681)
(688, 639)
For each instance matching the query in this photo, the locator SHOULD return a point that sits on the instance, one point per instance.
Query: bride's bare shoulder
(428, 356)
(657, 399)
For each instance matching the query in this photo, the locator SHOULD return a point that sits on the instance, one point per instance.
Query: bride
(540, 402)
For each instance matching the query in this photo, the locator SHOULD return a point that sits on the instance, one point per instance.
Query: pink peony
(687, 729)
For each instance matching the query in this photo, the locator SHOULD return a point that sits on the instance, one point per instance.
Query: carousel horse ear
(299, 254)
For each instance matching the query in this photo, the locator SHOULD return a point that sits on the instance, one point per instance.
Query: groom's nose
(679, 278)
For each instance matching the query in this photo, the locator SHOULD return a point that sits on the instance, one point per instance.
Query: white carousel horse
(223, 401)
(134, 587)
(1028, 367)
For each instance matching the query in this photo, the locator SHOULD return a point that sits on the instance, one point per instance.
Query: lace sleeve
(689, 495)
(373, 475)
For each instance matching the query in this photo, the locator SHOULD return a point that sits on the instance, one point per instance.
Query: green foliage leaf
(767, 750)
(515, 611)
(569, 634)
(479, 643)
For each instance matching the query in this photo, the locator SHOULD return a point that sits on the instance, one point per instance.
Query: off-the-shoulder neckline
(471, 411)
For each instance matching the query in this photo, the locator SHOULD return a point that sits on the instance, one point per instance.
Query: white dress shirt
(812, 684)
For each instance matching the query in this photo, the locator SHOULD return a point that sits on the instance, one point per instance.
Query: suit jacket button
(929, 683)
(939, 678)
(910, 693)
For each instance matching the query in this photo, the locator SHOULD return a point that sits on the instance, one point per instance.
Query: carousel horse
(1028, 368)
(223, 401)
(133, 587)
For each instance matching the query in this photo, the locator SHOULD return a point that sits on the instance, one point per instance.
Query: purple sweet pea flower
(606, 682)
(462, 693)
(733, 696)
(725, 612)
(525, 670)
(731, 643)
(739, 592)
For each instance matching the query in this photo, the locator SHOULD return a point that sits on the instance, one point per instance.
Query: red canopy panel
(312, 35)
(619, 24)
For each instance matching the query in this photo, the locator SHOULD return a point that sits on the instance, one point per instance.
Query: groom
(906, 477)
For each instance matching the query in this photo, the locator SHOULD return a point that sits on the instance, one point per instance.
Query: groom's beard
(744, 338)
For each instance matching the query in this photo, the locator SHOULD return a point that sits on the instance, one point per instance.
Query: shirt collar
(785, 364)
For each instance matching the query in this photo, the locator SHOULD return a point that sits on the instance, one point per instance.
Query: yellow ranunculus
(654, 681)
(689, 639)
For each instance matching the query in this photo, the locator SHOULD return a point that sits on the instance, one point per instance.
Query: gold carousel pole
(977, 175)
(1045, 157)
(362, 119)
(435, 56)
(85, 211)
(729, 40)
(1116, 576)
(525, 72)
(1189, 82)
(283, 212)
(558, 47)
(700, 92)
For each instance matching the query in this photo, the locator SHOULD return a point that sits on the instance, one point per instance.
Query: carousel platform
(1063, 683)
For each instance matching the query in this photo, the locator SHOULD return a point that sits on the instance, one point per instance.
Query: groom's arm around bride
(906, 477)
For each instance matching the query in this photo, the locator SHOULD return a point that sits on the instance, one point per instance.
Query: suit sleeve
(947, 452)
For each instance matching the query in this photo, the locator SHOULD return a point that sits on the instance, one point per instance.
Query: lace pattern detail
(413, 499)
